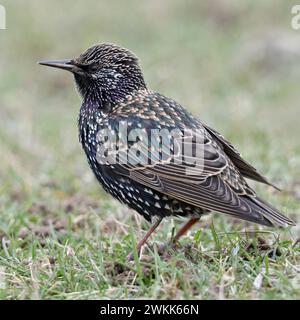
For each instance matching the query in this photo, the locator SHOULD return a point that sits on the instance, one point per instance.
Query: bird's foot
(166, 247)
(130, 257)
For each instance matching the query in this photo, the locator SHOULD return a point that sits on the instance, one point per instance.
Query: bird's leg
(147, 235)
(184, 228)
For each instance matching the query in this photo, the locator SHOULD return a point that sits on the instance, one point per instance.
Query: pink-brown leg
(185, 227)
(142, 242)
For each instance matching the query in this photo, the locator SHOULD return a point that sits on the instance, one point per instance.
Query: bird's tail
(271, 216)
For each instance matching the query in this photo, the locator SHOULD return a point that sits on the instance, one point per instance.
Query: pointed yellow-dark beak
(62, 64)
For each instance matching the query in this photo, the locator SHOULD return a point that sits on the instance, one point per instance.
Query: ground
(233, 65)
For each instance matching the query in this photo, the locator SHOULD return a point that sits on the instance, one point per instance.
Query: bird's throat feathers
(104, 96)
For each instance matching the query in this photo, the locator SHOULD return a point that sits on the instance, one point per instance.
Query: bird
(154, 176)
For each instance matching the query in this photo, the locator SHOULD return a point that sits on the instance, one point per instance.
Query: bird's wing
(212, 182)
(245, 168)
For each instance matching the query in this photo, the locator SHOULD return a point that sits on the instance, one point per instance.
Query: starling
(156, 176)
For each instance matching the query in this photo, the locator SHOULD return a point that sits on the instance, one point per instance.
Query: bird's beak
(62, 64)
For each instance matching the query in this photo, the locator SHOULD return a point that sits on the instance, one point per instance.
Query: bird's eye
(93, 67)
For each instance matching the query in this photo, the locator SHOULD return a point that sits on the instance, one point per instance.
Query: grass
(61, 236)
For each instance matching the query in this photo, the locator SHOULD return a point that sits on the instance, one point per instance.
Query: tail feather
(268, 212)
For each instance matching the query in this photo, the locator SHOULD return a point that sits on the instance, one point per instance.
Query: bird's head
(104, 73)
